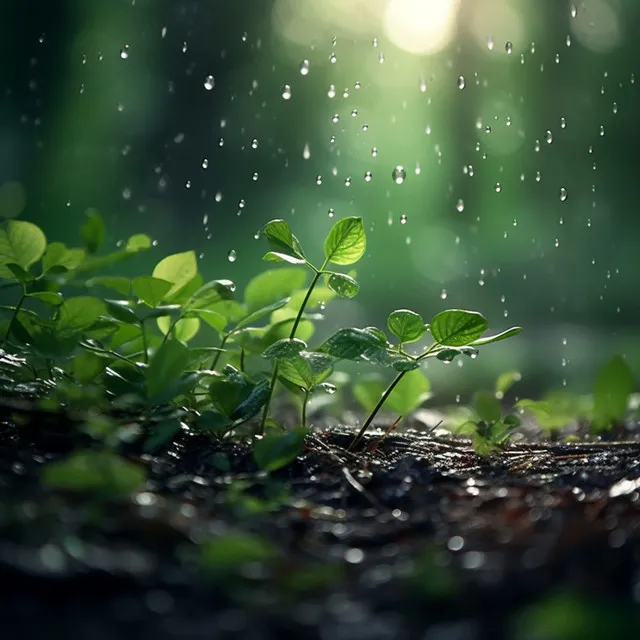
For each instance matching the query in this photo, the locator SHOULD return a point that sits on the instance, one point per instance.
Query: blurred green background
(515, 121)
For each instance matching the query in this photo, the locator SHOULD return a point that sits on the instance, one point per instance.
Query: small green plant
(124, 342)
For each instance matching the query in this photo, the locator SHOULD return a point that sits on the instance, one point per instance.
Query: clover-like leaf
(307, 369)
(342, 284)
(346, 242)
(457, 328)
(406, 325)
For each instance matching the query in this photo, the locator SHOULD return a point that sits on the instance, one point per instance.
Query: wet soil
(412, 537)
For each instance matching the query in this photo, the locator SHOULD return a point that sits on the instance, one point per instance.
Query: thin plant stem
(383, 398)
(14, 315)
(292, 335)
(145, 346)
(304, 408)
(219, 353)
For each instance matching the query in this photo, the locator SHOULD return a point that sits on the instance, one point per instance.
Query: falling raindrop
(548, 136)
(318, 179)
(333, 58)
(563, 194)
(231, 256)
(304, 68)
(254, 143)
(403, 219)
(498, 187)
(331, 92)
(306, 152)
(423, 86)
(367, 176)
(573, 11)
(443, 294)
(347, 181)
(331, 213)
(490, 43)
(286, 92)
(124, 52)
(209, 83)
(399, 174)
(508, 47)
(460, 205)
(374, 151)
(205, 163)
(335, 119)
(563, 123)
(461, 82)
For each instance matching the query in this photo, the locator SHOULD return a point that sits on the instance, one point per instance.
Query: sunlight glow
(421, 26)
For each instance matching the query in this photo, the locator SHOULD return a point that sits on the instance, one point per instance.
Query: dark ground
(418, 538)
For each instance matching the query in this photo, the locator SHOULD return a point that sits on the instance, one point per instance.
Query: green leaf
(184, 330)
(406, 325)
(487, 406)
(513, 331)
(227, 555)
(213, 319)
(283, 244)
(121, 310)
(346, 242)
(47, 297)
(410, 393)
(161, 434)
(307, 369)
(258, 314)
(254, 402)
(76, 314)
(319, 297)
(116, 283)
(93, 231)
(99, 472)
(21, 243)
(271, 286)
(233, 311)
(138, 242)
(285, 349)
(505, 381)
(614, 384)
(353, 343)
(368, 390)
(178, 269)
(210, 293)
(229, 391)
(277, 450)
(213, 422)
(448, 355)
(457, 328)
(151, 290)
(87, 366)
(278, 256)
(345, 286)
(22, 276)
(168, 363)
(59, 258)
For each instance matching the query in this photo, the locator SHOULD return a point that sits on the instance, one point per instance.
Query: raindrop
(498, 187)
(331, 92)
(231, 256)
(423, 86)
(460, 205)
(548, 136)
(333, 58)
(601, 130)
(205, 163)
(573, 10)
(403, 219)
(209, 83)
(254, 177)
(615, 107)
(347, 181)
(304, 68)
(306, 152)
(354, 113)
(331, 213)
(490, 43)
(254, 143)
(461, 82)
(399, 174)
(124, 52)
(286, 92)
(367, 176)
(567, 40)
(335, 119)
(443, 294)
(508, 47)
(374, 151)
(563, 195)
(318, 179)
(563, 123)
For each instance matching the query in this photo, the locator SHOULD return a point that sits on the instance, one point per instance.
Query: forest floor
(415, 536)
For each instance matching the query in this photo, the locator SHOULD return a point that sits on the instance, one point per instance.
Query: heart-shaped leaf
(151, 290)
(21, 243)
(285, 349)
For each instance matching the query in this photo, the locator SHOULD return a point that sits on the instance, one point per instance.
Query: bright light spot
(496, 21)
(421, 26)
(596, 26)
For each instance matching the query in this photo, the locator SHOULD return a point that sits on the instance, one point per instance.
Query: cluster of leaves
(605, 409)
(123, 342)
